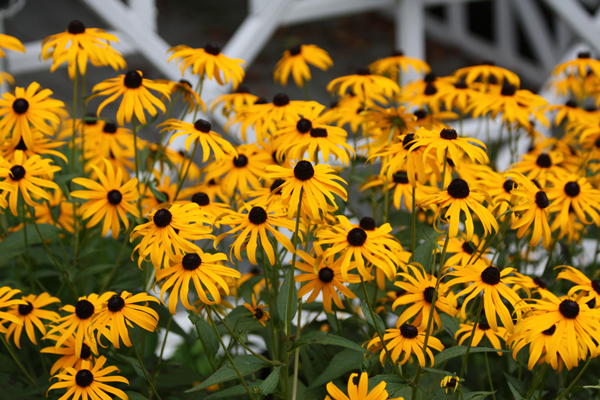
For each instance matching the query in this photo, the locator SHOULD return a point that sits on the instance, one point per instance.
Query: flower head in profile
(531, 208)
(450, 383)
(67, 352)
(258, 311)
(368, 87)
(31, 313)
(79, 44)
(487, 71)
(190, 97)
(89, 381)
(137, 97)
(579, 66)
(6, 300)
(399, 63)
(209, 62)
(295, 62)
(360, 391)
(448, 139)
(234, 102)
(27, 175)
(45, 214)
(483, 330)
(590, 289)
(10, 43)
(26, 109)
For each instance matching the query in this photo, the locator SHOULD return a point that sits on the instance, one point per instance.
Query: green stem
(297, 352)
(210, 360)
(118, 260)
(273, 328)
(16, 360)
(28, 263)
(306, 92)
(566, 392)
(182, 177)
(83, 82)
(356, 319)
(162, 351)
(229, 357)
(536, 381)
(487, 367)
(137, 354)
(464, 365)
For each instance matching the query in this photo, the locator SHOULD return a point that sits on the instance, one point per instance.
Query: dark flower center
(114, 197)
(571, 104)
(318, 132)
(428, 294)
(448, 134)
(468, 247)
(116, 303)
(430, 77)
(86, 352)
(491, 276)
(450, 162)
(162, 218)
(242, 89)
(592, 303)
(84, 309)
(458, 188)
(186, 83)
(597, 143)
(357, 237)
(20, 106)
(420, 114)
(430, 89)
(84, 378)
(191, 261)
(133, 80)
(400, 177)
(596, 285)
(326, 274)
(572, 189)
(201, 199)
(550, 331)
(257, 215)
(408, 331)
(281, 100)
(536, 183)
(304, 125)
(258, 313)
(367, 223)
(25, 309)
(109, 127)
(363, 71)
(509, 185)
(461, 85)
(275, 186)
(400, 292)
(569, 309)
(295, 50)
(76, 27)
(541, 199)
(202, 125)
(406, 142)
(304, 170)
(584, 54)
(540, 282)
(484, 326)
(21, 145)
(212, 49)
(17, 173)
(397, 53)
(508, 89)
(544, 161)
(240, 161)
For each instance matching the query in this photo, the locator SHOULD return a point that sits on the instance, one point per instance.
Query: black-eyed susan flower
(6, 300)
(209, 62)
(170, 233)
(122, 311)
(461, 97)
(44, 213)
(487, 71)
(31, 313)
(200, 131)
(137, 97)
(495, 291)
(531, 208)
(163, 185)
(539, 165)
(89, 381)
(400, 188)
(258, 310)
(79, 44)
(26, 109)
(27, 175)
(366, 86)
(427, 92)
(254, 224)
(573, 193)
(579, 66)
(407, 340)
(10, 43)
(67, 352)
(326, 280)
(463, 250)
(392, 121)
(398, 63)
(206, 273)
(483, 330)
(360, 242)
(110, 199)
(316, 183)
(108, 139)
(295, 62)
(79, 321)
(320, 141)
(185, 89)
(460, 197)
(448, 140)
(42, 145)
(360, 391)
(590, 288)
(234, 102)
(545, 347)
(420, 288)
(449, 383)
(240, 171)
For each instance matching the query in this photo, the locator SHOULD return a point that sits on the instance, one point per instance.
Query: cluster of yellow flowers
(270, 197)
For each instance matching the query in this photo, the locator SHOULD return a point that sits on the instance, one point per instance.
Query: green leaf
(136, 366)
(424, 254)
(269, 384)
(237, 390)
(365, 309)
(342, 362)
(14, 244)
(135, 395)
(207, 333)
(477, 395)
(163, 313)
(160, 197)
(282, 298)
(94, 270)
(516, 386)
(393, 382)
(451, 324)
(326, 338)
(457, 351)
(245, 365)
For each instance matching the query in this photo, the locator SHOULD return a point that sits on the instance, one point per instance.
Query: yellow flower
(31, 314)
(10, 43)
(485, 71)
(483, 329)
(360, 391)
(234, 102)
(366, 86)
(532, 208)
(258, 311)
(67, 351)
(397, 64)
(296, 60)
(200, 131)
